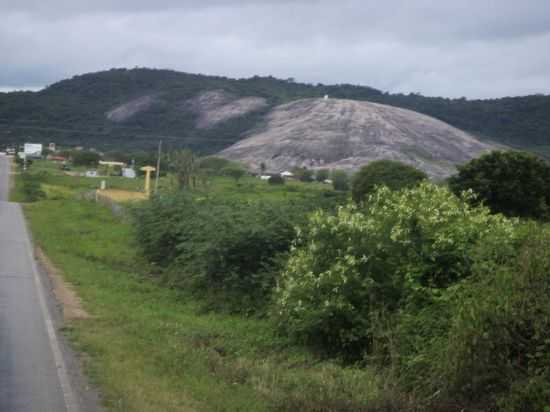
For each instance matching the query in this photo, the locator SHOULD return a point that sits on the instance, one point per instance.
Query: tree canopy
(510, 182)
(394, 175)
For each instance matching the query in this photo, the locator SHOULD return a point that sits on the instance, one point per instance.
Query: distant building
(326, 97)
(57, 158)
(129, 173)
(51, 147)
(287, 174)
(91, 173)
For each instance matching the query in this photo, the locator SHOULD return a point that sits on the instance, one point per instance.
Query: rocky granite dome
(347, 134)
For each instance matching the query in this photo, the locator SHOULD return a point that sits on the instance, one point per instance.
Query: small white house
(287, 174)
(91, 173)
(265, 177)
(327, 181)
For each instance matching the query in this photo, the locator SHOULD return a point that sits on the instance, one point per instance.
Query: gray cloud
(467, 48)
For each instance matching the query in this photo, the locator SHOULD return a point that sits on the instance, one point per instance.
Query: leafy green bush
(219, 247)
(84, 158)
(340, 180)
(234, 171)
(513, 183)
(403, 250)
(276, 180)
(322, 174)
(32, 190)
(395, 175)
(214, 164)
(303, 174)
(499, 337)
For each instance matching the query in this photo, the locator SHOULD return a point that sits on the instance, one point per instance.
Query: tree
(303, 174)
(276, 180)
(509, 182)
(263, 167)
(340, 180)
(184, 165)
(236, 172)
(214, 164)
(321, 175)
(395, 175)
(85, 158)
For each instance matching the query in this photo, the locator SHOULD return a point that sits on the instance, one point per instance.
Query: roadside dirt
(63, 291)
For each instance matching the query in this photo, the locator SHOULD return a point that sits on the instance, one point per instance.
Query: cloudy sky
(472, 48)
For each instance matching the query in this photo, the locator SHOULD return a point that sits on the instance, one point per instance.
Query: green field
(150, 348)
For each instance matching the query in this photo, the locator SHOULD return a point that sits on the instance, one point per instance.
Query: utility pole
(158, 168)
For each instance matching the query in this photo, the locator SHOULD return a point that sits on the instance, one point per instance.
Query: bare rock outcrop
(217, 106)
(129, 109)
(347, 134)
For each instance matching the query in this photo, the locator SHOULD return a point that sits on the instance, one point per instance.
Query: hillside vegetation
(123, 108)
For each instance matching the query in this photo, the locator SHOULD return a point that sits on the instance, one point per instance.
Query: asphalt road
(32, 369)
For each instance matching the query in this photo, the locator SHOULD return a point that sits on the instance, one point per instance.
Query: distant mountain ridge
(133, 108)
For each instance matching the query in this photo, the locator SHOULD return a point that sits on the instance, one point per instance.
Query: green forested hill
(74, 111)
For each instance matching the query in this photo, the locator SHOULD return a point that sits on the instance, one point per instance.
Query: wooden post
(148, 170)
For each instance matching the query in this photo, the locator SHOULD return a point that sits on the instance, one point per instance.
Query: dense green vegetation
(433, 291)
(513, 183)
(153, 348)
(448, 297)
(150, 348)
(85, 158)
(73, 111)
(229, 251)
(389, 173)
(280, 298)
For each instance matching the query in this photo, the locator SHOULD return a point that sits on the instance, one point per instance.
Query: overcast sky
(472, 48)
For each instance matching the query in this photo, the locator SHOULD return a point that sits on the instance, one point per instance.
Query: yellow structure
(109, 164)
(148, 170)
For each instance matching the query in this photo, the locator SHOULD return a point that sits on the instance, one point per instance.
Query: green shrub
(513, 183)
(499, 337)
(340, 180)
(395, 175)
(234, 171)
(219, 247)
(321, 175)
(303, 174)
(276, 180)
(403, 250)
(32, 190)
(84, 158)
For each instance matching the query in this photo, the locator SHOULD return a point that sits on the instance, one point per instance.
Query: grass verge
(151, 349)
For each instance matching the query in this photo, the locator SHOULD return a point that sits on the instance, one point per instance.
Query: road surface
(33, 374)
